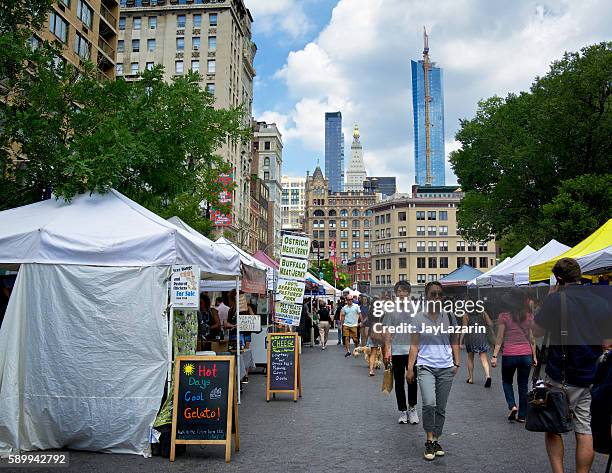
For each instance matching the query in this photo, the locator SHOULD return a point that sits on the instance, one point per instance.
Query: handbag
(387, 384)
(548, 408)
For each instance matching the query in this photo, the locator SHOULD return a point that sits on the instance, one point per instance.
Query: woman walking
(436, 354)
(475, 341)
(324, 324)
(514, 333)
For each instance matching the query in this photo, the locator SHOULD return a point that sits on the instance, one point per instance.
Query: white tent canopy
(88, 310)
(487, 278)
(598, 262)
(104, 230)
(519, 273)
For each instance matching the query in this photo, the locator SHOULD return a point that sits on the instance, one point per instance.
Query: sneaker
(430, 452)
(438, 449)
(403, 418)
(347, 354)
(323, 347)
(413, 417)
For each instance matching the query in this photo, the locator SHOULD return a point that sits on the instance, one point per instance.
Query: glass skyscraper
(436, 123)
(334, 151)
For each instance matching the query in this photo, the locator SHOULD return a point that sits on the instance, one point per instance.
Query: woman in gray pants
(437, 358)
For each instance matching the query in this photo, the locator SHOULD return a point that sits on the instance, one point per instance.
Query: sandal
(469, 381)
(371, 373)
(512, 415)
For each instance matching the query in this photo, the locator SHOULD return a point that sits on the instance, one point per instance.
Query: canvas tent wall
(84, 343)
(488, 278)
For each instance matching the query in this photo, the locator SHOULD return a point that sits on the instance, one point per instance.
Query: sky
(316, 56)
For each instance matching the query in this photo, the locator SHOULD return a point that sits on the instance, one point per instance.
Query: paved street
(344, 423)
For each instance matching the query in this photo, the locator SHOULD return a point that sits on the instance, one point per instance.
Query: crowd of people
(520, 330)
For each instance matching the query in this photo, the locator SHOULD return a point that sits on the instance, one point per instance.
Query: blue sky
(354, 55)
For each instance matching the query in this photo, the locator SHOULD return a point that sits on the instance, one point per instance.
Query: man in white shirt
(349, 318)
(223, 311)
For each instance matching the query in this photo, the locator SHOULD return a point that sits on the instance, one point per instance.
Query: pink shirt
(516, 337)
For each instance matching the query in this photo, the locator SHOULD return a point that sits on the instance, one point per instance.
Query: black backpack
(601, 407)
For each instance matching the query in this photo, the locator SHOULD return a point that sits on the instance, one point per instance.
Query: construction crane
(426, 68)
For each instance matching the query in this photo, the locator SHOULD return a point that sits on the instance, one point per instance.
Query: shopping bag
(387, 384)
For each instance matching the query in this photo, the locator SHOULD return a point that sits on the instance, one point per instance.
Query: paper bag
(387, 384)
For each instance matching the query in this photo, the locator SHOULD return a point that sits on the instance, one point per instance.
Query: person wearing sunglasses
(435, 351)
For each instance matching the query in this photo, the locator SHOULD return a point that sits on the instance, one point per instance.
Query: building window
(366, 245)
(210, 88)
(376, 220)
(332, 213)
(119, 69)
(355, 213)
(420, 279)
(402, 263)
(431, 277)
(136, 23)
(366, 223)
(267, 163)
(81, 46)
(420, 231)
(432, 262)
(420, 246)
(120, 46)
(484, 262)
(266, 175)
(134, 68)
(58, 26)
(150, 65)
(197, 20)
(266, 145)
(431, 246)
(151, 45)
(471, 246)
(401, 216)
(66, 2)
(343, 233)
(179, 67)
(402, 277)
(420, 261)
(212, 19)
(472, 261)
(443, 246)
(443, 214)
(195, 43)
(212, 43)
(344, 223)
(432, 230)
(212, 66)
(195, 66)
(431, 215)
(483, 247)
(355, 244)
(402, 246)
(332, 223)
(401, 231)
(135, 45)
(180, 44)
(356, 223)
(460, 261)
(388, 218)
(332, 234)
(180, 21)
(377, 279)
(443, 231)
(85, 13)
(460, 245)
(444, 262)
(343, 244)
(122, 23)
(355, 234)
(388, 250)
(152, 22)
(420, 215)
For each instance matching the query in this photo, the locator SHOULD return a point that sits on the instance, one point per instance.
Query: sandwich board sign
(205, 403)
(283, 368)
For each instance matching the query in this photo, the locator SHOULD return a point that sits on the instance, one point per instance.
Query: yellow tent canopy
(598, 240)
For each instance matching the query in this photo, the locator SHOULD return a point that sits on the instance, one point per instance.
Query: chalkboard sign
(283, 365)
(205, 410)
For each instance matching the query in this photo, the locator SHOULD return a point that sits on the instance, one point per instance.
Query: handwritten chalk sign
(295, 246)
(249, 322)
(205, 408)
(185, 287)
(283, 368)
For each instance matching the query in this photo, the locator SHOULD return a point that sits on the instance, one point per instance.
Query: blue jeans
(522, 365)
(339, 325)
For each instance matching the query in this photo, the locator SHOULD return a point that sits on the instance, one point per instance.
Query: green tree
(517, 152)
(327, 268)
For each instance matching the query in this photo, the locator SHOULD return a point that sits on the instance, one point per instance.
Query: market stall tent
(460, 276)
(592, 253)
(486, 278)
(517, 271)
(84, 342)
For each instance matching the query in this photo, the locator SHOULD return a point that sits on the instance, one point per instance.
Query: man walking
(574, 363)
(349, 318)
(396, 350)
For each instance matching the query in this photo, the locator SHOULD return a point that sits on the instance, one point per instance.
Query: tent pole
(170, 345)
(238, 334)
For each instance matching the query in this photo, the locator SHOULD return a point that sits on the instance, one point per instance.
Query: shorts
(580, 403)
(373, 344)
(349, 331)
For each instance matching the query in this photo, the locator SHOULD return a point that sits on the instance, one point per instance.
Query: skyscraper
(356, 172)
(428, 114)
(334, 151)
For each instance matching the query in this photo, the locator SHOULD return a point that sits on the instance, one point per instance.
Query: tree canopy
(529, 162)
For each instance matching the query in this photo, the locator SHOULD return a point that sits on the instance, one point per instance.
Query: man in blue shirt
(588, 327)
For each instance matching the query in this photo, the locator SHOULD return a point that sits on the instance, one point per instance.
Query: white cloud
(286, 15)
(360, 64)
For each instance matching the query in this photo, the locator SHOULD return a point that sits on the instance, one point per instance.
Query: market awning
(460, 276)
(487, 278)
(590, 252)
